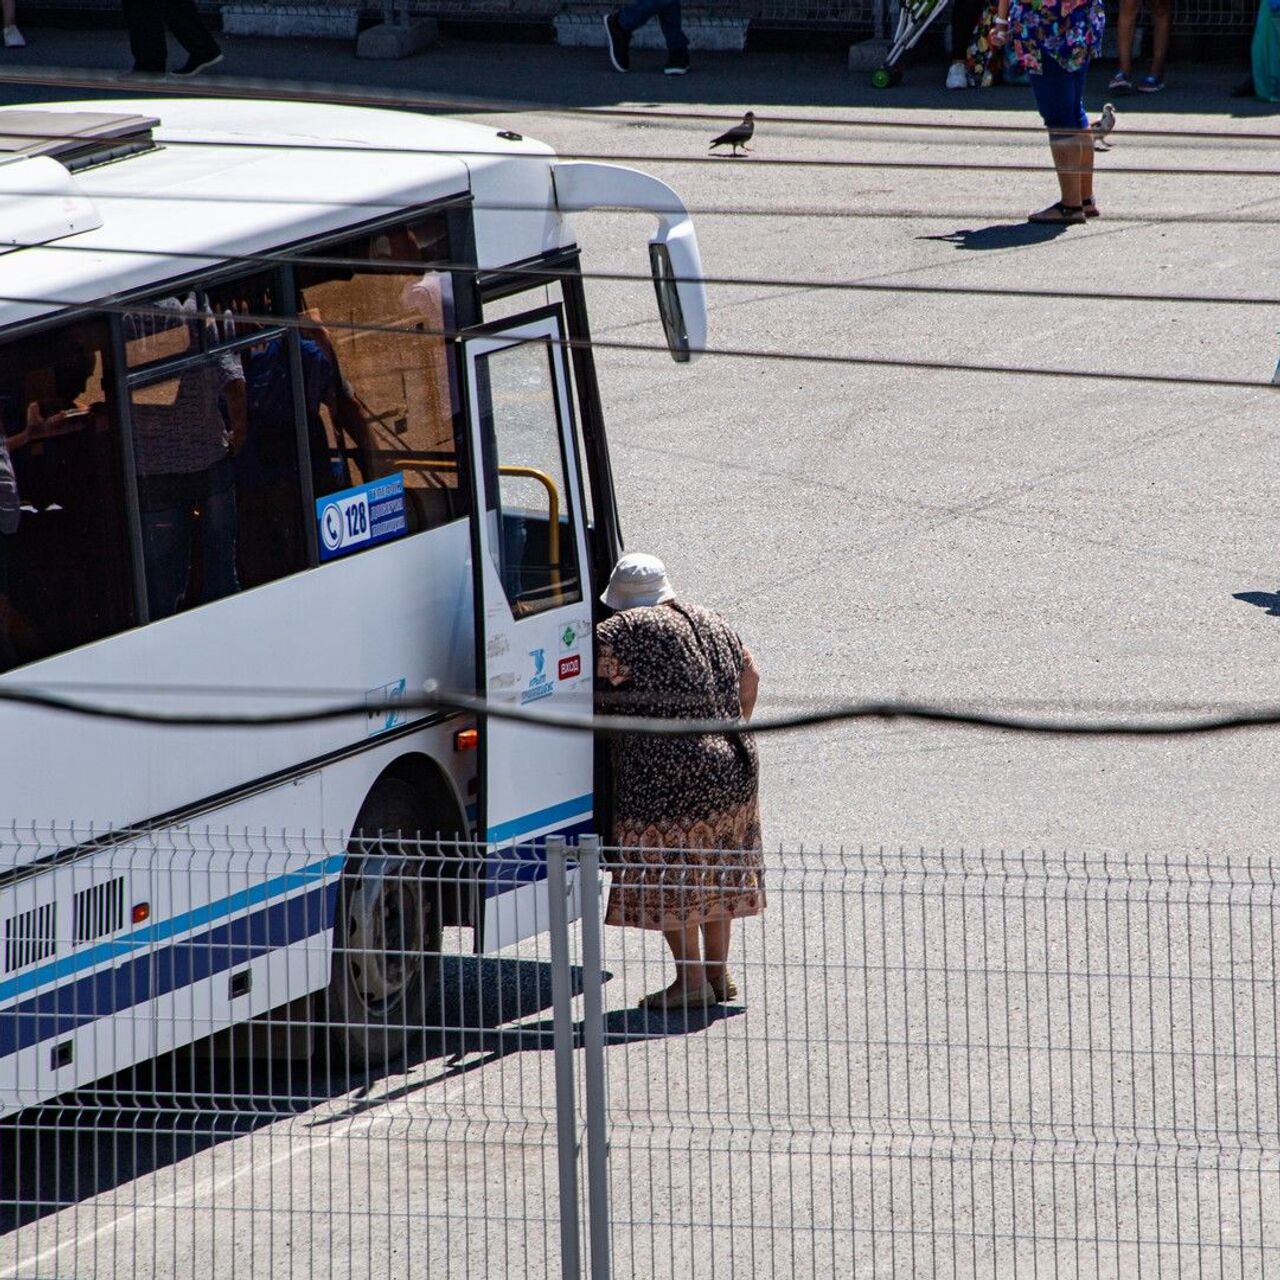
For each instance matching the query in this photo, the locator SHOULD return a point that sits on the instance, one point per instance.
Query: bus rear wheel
(387, 931)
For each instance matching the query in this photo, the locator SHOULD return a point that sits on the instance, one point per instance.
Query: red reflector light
(466, 739)
(141, 912)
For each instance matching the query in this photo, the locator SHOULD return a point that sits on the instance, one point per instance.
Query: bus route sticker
(361, 517)
(383, 713)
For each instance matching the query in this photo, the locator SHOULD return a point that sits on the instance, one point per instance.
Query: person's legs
(166, 539)
(638, 12)
(715, 948)
(1125, 28)
(672, 30)
(188, 29)
(964, 18)
(1059, 95)
(685, 947)
(218, 540)
(1161, 26)
(145, 20)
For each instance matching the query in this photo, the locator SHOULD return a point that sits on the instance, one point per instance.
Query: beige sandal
(702, 997)
(724, 987)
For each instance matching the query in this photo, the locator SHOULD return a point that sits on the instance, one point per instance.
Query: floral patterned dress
(686, 810)
(1068, 31)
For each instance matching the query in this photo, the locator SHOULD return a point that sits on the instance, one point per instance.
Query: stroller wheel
(886, 77)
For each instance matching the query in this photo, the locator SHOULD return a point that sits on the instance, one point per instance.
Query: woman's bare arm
(748, 684)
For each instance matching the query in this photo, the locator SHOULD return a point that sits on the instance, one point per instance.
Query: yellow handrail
(526, 473)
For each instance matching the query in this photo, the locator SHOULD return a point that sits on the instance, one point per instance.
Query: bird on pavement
(738, 136)
(1103, 126)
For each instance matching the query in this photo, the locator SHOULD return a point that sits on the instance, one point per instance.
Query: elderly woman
(1054, 40)
(686, 810)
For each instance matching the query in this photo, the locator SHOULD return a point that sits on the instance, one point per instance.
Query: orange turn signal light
(141, 912)
(466, 739)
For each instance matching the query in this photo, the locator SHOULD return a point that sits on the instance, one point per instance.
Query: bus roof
(243, 176)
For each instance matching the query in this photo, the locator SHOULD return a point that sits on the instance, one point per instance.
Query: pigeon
(739, 135)
(1103, 126)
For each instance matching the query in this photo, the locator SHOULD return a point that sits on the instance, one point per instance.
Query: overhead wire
(348, 95)
(305, 325)
(647, 726)
(553, 274)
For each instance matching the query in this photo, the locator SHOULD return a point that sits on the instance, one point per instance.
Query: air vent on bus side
(30, 936)
(99, 910)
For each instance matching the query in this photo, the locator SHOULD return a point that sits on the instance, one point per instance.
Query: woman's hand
(748, 684)
(999, 36)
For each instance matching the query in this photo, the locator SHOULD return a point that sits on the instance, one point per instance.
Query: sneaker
(957, 76)
(13, 38)
(677, 63)
(193, 65)
(1149, 84)
(1120, 83)
(619, 39)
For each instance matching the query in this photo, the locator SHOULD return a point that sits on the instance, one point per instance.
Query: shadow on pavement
(157, 1115)
(1268, 600)
(1002, 235)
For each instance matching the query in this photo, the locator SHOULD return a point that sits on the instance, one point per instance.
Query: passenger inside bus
(186, 428)
(64, 576)
(268, 494)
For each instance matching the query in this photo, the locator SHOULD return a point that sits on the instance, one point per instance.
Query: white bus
(299, 398)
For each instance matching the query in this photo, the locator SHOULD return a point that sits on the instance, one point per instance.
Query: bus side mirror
(681, 292)
(671, 312)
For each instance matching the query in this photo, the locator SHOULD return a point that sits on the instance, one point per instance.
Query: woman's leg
(1059, 96)
(1125, 28)
(10, 11)
(686, 950)
(715, 948)
(1161, 25)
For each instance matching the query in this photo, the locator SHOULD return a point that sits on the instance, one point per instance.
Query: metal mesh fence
(936, 1064)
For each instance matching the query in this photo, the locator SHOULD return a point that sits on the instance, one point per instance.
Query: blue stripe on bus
(578, 807)
(154, 974)
(529, 863)
(56, 970)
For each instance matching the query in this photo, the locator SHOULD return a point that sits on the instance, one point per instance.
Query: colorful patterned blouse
(1068, 31)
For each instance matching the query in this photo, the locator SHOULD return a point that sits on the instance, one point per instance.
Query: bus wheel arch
(389, 917)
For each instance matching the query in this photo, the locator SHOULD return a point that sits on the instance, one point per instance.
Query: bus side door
(533, 592)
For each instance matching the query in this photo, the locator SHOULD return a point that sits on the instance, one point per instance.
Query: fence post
(562, 1044)
(593, 1059)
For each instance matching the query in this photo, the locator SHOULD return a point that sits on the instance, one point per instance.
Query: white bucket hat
(638, 580)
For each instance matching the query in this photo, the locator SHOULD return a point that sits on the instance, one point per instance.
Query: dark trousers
(964, 18)
(147, 20)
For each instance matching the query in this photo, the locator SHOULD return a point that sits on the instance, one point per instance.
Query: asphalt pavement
(1026, 502)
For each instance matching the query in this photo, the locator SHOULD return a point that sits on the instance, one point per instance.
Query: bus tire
(387, 931)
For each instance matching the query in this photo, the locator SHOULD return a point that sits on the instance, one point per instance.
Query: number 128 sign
(360, 517)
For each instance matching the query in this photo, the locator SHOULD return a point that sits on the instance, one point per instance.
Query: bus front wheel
(387, 930)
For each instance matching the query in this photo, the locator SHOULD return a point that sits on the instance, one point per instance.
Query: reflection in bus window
(531, 530)
(185, 429)
(215, 443)
(381, 321)
(64, 555)
(269, 539)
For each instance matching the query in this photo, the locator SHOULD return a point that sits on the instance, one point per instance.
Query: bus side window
(382, 321)
(65, 567)
(215, 444)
